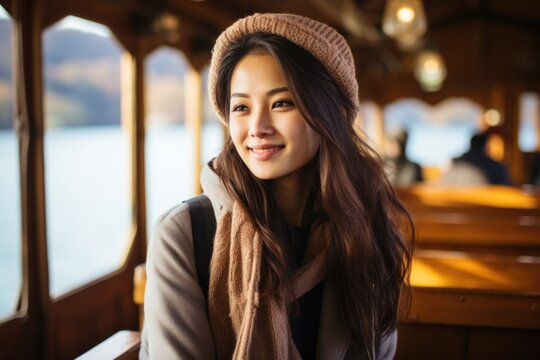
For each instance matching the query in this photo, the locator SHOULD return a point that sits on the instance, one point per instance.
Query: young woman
(309, 258)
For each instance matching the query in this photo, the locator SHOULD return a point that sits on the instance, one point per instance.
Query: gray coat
(176, 324)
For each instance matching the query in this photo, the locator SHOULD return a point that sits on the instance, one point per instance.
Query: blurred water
(88, 201)
(169, 178)
(10, 224)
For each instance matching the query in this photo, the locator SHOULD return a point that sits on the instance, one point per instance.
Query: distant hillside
(73, 45)
(5, 49)
(6, 89)
(81, 73)
(82, 79)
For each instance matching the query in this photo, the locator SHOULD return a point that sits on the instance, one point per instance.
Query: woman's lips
(265, 152)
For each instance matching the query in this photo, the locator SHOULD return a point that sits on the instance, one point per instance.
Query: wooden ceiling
(484, 41)
(217, 14)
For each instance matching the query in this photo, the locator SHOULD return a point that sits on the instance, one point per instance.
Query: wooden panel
(427, 342)
(14, 338)
(80, 324)
(462, 308)
(495, 344)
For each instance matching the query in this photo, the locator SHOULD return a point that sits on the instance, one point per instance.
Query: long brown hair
(369, 256)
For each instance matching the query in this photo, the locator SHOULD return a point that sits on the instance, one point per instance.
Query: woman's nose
(261, 124)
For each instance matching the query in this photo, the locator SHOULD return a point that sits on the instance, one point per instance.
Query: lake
(88, 199)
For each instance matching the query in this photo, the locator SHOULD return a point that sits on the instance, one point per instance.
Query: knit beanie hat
(322, 41)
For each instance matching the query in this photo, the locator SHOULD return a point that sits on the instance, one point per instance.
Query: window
(529, 121)
(10, 197)
(213, 131)
(369, 122)
(169, 144)
(436, 134)
(87, 174)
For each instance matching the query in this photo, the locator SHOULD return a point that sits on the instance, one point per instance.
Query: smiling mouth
(266, 149)
(266, 152)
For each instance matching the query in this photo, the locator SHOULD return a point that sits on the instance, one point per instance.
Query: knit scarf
(244, 324)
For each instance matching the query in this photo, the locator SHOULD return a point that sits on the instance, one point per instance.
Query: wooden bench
(475, 289)
(472, 305)
(459, 299)
(479, 217)
(475, 276)
(461, 230)
(468, 290)
(489, 195)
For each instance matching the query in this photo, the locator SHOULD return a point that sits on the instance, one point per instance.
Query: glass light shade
(168, 26)
(404, 20)
(492, 117)
(430, 70)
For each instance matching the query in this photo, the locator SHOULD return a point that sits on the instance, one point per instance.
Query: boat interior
(105, 124)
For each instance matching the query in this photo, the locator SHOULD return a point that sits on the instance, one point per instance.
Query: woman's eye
(282, 104)
(239, 108)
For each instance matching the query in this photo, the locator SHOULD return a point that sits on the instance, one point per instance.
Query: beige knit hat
(321, 40)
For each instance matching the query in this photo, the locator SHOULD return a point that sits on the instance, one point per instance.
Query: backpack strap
(203, 228)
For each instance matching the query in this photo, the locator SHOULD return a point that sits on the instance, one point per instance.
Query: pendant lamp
(404, 21)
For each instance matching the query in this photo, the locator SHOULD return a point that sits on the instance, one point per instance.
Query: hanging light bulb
(430, 70)
(405, 15)
(405, 21)
(167, 25)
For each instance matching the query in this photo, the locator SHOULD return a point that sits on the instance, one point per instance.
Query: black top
(305, 320)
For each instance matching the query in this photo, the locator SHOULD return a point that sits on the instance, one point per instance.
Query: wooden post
(537, 122)
(132, 121)
(379, 135)
(35, 299)
(194, 119)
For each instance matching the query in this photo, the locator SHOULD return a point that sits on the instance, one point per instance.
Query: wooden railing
(124, 345)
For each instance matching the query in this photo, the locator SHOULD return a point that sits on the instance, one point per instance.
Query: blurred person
(535, 171)
(475, 167)
(401, 171)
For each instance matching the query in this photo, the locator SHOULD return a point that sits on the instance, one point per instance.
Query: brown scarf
(246, 326)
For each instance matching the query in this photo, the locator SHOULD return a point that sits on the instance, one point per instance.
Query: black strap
(203, 228)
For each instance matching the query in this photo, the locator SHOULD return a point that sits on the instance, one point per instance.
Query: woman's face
(266, 127)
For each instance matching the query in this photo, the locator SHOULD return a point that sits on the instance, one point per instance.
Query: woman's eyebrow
(268, 93)
(277, 90)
